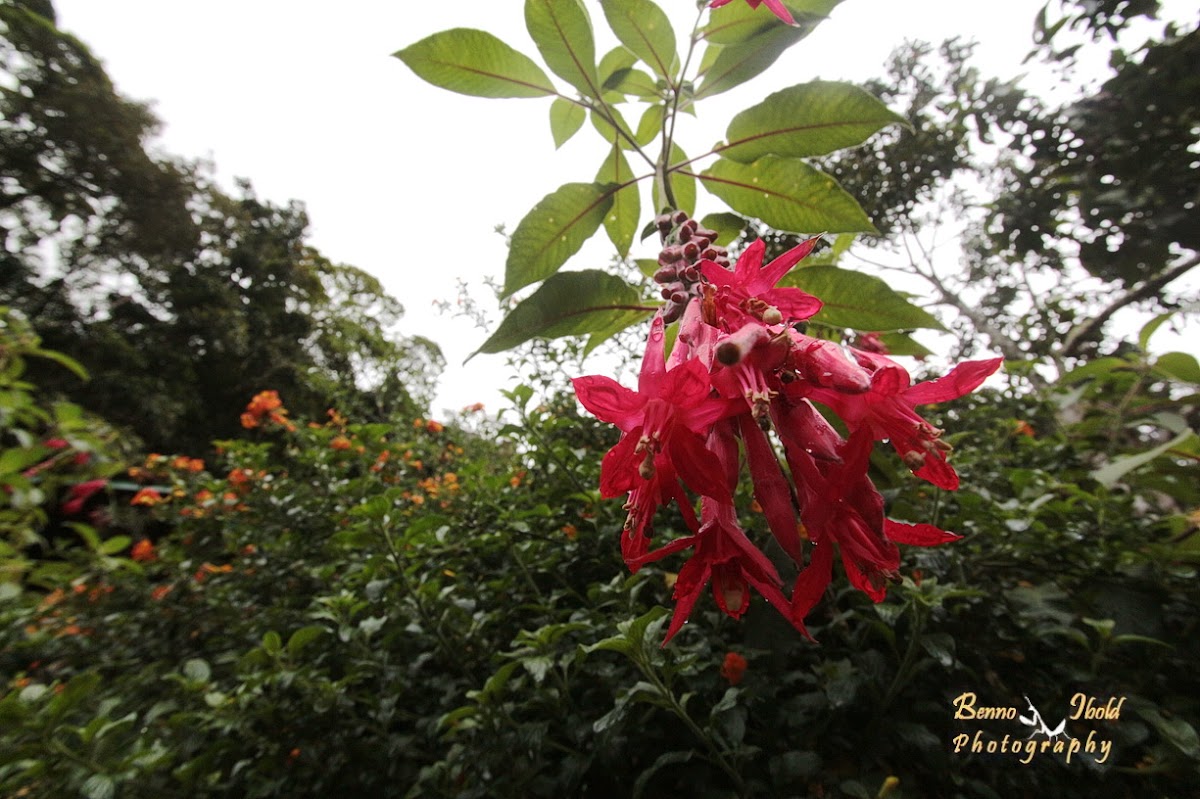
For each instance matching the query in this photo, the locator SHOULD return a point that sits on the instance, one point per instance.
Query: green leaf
(738, 22)
(554, 231)
(303, 637)
(806, 120)
(115, 544)
(1179, 366)
(650, 125)
(635, 82)
(562, 32)
(99, 786)
(858, 301)
(1151, 327)
(569, 304)
(65, 361)
(662, 761)
(622, 218)
(1110, 474)
(197, 670)
(904, 344)
(730, 65)
(476, 63)
(272, 643)
(728, 226)
(646, 31)
(566, 118)
(787, 194)
(608, 132)
(683, 185)
(615, 61)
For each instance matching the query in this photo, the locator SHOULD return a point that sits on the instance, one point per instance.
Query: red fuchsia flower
(888, 411)
(842, 506)
(777, 8)
(725, 557)
(749, 293)
(79, 494)
(661, 423)
(733, 668)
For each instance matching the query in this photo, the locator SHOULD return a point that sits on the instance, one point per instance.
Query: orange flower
(148, 497)
(249, 549)
(516, 479)
(1022, 428)
(474, 408)
(160, 592)
(203, 495)
(264, 402)
(433, 427)
(734, 668)
(143, 551)
(570, 531)
(335, 418)
(340, 443)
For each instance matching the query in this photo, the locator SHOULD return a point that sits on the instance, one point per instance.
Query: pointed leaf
(1110, 474)
(734, 64)
(859, 301)
(615, 61)
(728, 226)
(622, 219)
(787, 194)
(650, 125)
(738, 22)
(646, 31)
(554, 231)
(569, 304)
(566, 118)
(683, 185)
(476, 63)
(608, 132)
(562, 32)
(806, 120)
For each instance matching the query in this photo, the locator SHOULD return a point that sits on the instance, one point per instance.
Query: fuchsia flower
(725, 558)
(661, 422)
(777, 8)
(888, 410)
(842, 506)
(749, 293)
(79, 494)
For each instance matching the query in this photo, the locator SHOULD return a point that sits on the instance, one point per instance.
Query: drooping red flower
(777, 8)
(888, 410)
(842, 506)
(723, 556)
(79, 494)
(661, 422)
(749, 292)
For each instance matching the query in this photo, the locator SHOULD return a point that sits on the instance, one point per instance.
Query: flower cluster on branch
(740, 385)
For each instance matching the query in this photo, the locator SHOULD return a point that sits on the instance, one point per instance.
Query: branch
(1078, 335)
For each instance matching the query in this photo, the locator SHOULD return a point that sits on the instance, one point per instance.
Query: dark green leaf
(475, 63)
(1179, 366)
(569, 304)
(562, 32)
(728, 226)
(646, 31)
(806, 120)
(729, 65)
(787, 194)
(554, 231)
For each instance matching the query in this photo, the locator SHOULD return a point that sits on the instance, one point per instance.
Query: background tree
(181, 300)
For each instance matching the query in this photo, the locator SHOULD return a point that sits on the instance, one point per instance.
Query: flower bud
(691, 273)
(690, 250)
(709, 254)
(680, 297)
(679, 217)
(670, 254)
(666, 274)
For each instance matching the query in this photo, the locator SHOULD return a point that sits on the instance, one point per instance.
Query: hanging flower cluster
(740, 370)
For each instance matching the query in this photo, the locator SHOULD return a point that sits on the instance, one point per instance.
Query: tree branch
(1082, 333)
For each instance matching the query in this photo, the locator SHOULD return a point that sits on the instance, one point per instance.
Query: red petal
(771, 487)
(750, 263)
(698, 467)
(793, 303)
(687, 385)
(609, 401)
(771, 274)
(921, 535)
(619, 468)
(938, 472)
(780, 10)
(689, 584)
(654, 361)
(812, 582)
(961, 380)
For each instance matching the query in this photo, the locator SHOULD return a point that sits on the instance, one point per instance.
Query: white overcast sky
(407, 181)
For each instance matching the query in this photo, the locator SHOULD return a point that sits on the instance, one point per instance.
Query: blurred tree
(181, 300)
